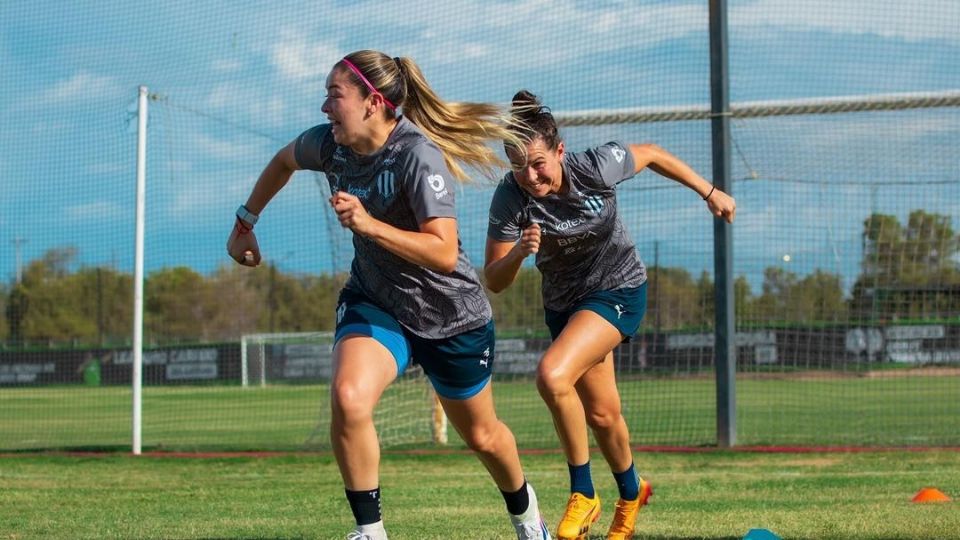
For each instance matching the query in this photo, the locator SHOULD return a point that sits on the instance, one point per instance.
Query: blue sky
(238, 80)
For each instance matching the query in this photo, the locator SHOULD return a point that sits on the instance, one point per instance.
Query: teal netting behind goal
(846, 250)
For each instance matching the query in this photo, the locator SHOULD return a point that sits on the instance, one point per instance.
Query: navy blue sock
(628, 483)
(580, 479)
(517, 501)
(365, 505)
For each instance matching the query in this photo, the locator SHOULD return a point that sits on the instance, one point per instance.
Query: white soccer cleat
(530, 525)
(373, 531)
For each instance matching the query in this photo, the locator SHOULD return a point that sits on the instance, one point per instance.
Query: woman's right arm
(503, 259)
(242, 244)
(276, 175)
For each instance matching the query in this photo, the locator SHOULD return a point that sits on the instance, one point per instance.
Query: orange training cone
(930, 495)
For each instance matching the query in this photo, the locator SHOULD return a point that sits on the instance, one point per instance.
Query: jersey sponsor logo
(618, 153)
(570, 223)
(360, 193)
(594, 204)
(386, 183)
(575, 238)
(338, 154)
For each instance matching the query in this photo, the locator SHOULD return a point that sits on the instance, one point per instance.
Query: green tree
(819, 297)
(674, 300)
(4, 325)
(519, 308)
(54, 314)
(105, 297)
(176, 306)
(908, 271)
(16, 310)
(786, 297)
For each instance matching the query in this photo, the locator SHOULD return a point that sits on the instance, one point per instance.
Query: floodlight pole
(725, 351)
(137, 377)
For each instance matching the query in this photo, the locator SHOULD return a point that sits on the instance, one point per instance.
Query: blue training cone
(760, 534)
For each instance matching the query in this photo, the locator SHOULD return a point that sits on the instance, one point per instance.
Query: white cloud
(103, 168)
(916, 20)
(196, 201)
(81, 86)
(261, 108)
(222, 149)
(295, 57)
(97, 211)
(226, 65)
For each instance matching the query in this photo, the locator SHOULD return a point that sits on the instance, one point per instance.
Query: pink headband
(370, 87)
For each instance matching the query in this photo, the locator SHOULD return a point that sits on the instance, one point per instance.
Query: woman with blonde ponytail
(389, 149)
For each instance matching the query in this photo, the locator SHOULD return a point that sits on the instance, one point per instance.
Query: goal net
(409, 411)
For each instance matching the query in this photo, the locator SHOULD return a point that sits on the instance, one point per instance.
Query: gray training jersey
(584, 247)
(403, 184)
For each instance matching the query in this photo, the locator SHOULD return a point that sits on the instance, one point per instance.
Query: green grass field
(714, 495)
(810, 411)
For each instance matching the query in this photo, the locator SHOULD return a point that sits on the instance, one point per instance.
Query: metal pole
(724, 343)
(137, 381)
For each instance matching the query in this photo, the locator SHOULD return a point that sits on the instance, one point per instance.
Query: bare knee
(349, 405)
(552, 381)
(483, 439)
(602, 417)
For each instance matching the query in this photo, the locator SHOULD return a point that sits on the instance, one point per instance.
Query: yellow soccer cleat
(580, 514)
(625, 515)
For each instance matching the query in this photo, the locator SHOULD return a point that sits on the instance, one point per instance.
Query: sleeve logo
(618, 153)
(436, 182)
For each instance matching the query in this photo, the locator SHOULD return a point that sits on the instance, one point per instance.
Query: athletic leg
(583, 343)
(362, 370)
(476, 421)
(597, 389)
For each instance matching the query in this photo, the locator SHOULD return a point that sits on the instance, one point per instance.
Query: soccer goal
(409, 409)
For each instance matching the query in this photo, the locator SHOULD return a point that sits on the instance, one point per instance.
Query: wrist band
(711, 192)
(241, 228)
(247, 215)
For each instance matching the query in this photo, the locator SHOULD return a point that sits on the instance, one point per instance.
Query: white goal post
(308, 355)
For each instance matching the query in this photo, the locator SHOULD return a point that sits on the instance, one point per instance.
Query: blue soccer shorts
(622, 308)
(459, 367)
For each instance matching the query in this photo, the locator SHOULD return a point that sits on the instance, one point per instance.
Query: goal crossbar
(758, 109)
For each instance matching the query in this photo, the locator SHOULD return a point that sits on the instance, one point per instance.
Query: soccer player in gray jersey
(412, 294)
(562, 207)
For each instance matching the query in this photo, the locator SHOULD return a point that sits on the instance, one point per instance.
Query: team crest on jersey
(594, 204)
(386, 183)
(618, 153)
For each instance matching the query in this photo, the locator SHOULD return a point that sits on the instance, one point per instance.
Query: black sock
(365, 505)
(518, 501)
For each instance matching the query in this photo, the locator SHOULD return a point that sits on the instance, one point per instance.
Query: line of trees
(907, 271)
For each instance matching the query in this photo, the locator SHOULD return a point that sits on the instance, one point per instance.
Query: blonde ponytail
(462, 131)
